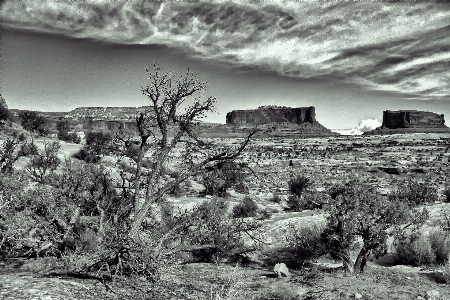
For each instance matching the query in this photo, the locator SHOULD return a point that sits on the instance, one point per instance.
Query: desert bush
(28, 149)
(303, 196)
(264, 214)
(306, 241)
(246, 208)
(415, 192)
(276, 198)
(31, 121)
(294, 203)
(64, 135)
(44, 163)
(310, 199)
(216, 235)
(4, 113)
(298, 185)
(9, 152)
(225, 176)
(31, 219)
(440, 245)
(414, 249)
(97, 144)
(358, 211)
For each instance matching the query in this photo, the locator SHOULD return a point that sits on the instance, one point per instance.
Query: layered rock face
(267, 115)
(412, 119)
(92, 124)
(285, 121)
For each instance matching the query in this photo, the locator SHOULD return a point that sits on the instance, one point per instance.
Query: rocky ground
(374, 159)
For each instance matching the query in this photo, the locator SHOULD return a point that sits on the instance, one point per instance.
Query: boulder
(432, 295)
(280, 270)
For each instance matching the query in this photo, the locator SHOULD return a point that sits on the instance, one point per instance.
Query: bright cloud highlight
(400, 47)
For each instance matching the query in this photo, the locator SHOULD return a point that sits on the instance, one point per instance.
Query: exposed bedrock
(267, 115)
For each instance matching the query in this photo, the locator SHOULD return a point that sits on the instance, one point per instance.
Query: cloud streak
(398, 47)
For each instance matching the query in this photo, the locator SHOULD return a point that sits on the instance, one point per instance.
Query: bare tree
(169, 137)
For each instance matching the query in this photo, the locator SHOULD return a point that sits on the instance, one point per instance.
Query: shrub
(223, 177)
(247, 208)
(9, 152)
(86, 154)
(294, 203)
(45, 162)
(276, 198)
(215, 234)
(64, 135)
(415, 193)
(358, 212)
(414, 249)
(28, 149)
(264, 214)
(298, 185)
(440, 245)
(33, 122)
(4, 113)
(306, 241)
(97, 144)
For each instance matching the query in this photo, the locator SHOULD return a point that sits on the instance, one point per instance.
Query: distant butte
(410, 121)
(296, 120)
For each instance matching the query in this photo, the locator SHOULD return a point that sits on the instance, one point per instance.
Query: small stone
(358, 296)
(281, 269)
(432, 295)
(420, 298)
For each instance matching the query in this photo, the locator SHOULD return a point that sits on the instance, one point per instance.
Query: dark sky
(351, 60)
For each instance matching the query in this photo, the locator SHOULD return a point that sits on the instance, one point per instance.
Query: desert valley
(410, 151)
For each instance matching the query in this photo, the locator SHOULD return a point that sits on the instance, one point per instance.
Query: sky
(351, 60)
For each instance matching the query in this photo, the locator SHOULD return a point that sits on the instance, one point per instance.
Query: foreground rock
(281, 270)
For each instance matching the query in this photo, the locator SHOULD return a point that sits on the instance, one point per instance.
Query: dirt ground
(326, 161)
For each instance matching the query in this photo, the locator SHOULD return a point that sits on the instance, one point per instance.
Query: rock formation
(411, 121)
(299, 121)
(266, 115)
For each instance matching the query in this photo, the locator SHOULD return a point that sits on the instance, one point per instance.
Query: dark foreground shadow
(436, 277)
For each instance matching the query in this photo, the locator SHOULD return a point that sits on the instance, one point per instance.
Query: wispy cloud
(400, 47)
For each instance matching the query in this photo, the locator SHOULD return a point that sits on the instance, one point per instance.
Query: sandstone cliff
(267, 115)
(411, 121)
(289, 120)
